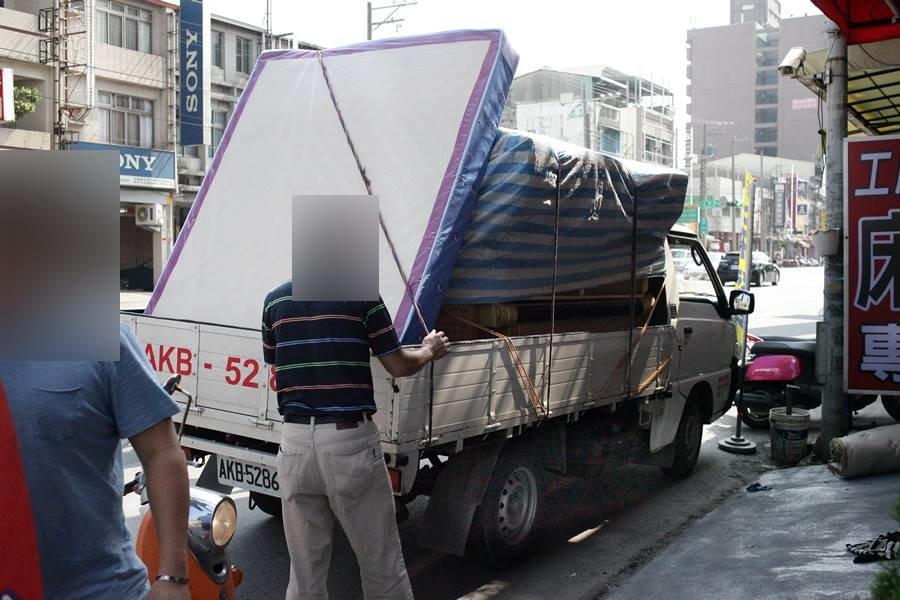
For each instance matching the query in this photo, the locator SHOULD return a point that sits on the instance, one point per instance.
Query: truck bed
(473, 391)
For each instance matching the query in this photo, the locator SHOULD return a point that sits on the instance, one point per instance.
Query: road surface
(596, 532)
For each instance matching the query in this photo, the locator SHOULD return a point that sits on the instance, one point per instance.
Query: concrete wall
(798, 121)
(722, 81)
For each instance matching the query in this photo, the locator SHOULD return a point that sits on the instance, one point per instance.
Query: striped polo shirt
(321, 352)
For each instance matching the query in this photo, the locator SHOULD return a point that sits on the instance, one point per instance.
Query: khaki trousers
(325, 472)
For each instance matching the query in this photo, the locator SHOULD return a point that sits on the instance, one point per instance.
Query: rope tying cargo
(527, 384)
(368, 184)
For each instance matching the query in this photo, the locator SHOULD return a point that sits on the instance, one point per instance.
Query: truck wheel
(271, 505)
(687, 441)
(892, 406)
(505, 523)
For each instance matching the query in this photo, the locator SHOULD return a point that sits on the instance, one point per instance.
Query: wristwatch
(172, 579)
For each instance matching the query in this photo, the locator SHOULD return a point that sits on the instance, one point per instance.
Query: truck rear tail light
(395, 475)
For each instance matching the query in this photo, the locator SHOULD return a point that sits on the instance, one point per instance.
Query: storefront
(147, 182)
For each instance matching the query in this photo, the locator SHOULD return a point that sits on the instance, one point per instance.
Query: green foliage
(25, 100)
(887, 583)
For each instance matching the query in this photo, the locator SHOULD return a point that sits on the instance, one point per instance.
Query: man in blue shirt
(69, 419)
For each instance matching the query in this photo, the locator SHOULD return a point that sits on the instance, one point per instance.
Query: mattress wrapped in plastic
(509, 244)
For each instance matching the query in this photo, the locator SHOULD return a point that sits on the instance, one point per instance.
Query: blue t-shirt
(69, 419)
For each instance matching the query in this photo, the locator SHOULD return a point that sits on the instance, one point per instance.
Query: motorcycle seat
(802, 348)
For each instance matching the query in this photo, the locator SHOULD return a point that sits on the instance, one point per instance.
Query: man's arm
(268, 338)
(404, 362)
(167, 485)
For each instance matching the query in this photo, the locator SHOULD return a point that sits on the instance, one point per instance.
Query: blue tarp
(508, 248)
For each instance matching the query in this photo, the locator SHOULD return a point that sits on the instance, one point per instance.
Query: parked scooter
(212, 520)
(777, 362)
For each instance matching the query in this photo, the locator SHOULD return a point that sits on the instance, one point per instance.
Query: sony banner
(190, 38)
(872, 265)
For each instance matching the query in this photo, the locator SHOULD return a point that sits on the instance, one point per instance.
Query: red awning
(864, 21)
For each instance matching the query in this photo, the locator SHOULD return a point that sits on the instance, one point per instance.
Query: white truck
(575, 341)
(468, 432)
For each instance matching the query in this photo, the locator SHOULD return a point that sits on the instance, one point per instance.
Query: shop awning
(873, 85)
(864, 21)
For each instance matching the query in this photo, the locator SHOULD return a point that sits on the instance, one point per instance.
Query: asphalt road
(595, 532)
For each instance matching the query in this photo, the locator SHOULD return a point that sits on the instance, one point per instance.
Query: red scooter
(212, 520)
(777, 362)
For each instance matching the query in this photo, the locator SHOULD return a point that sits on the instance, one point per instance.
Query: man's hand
(436, 343)
(404, 363)
(166, 590)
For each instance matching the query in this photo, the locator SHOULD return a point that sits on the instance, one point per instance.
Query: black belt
(355, 417)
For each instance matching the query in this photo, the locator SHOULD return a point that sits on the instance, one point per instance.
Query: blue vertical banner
(190, 43)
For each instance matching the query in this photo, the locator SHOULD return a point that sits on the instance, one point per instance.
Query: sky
(639, 37)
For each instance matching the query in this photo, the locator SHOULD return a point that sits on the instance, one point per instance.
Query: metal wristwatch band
(172, 579)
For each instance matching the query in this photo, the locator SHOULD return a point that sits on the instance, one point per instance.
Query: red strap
(20, 569)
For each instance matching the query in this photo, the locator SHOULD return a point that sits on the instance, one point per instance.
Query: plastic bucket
(788, 434)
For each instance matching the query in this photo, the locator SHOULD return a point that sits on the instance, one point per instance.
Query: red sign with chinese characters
(872, 265)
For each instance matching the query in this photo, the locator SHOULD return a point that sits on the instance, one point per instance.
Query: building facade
(230, 52)
(598, 108)
(734, 83)
(122, 95)
(118, 97)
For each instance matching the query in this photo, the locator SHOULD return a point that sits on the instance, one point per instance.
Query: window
(693, 276)
(766, 115)
(767, 96)
(125, 120)
(243, 56)
(219, 120)
(218, 39)
(766, 134)
(767, 39)
(766, 150)
(125, 26)
(610, 140)
(766, 59)
(767, 77)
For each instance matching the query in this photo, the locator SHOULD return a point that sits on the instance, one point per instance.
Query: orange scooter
(212, 520)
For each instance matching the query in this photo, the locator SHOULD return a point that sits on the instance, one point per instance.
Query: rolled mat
(866, 452)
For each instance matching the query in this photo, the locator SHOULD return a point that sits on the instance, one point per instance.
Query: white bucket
(788, 434)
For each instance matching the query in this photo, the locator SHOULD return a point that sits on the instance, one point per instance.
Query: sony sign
(191, 72)
(136, 162)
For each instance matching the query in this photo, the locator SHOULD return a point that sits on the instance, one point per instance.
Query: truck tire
(506, 522)
(687, 441)
(271, 505)
(892, 405)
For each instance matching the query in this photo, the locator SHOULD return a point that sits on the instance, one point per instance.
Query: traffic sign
(710, 203)
(704, 226)
(690, 214)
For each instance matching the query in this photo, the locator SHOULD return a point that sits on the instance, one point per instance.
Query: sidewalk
(787, 542)
(133, 300)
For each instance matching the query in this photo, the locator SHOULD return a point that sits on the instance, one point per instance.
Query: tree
(25, 100)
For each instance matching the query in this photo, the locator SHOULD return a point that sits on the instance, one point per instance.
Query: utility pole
(835, 420)
(372, 24)
(763, 213)
(703, 159)
(733, 245)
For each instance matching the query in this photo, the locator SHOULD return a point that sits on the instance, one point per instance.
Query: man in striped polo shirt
(330, 463)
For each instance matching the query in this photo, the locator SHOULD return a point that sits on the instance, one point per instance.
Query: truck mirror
(741, 302)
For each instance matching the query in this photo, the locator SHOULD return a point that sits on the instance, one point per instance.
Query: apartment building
(597, 107)
(118, 96)
(734, 85)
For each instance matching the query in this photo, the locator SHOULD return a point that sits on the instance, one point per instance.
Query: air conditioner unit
(147, 214)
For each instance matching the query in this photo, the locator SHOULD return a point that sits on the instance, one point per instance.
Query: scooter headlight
(224, 522)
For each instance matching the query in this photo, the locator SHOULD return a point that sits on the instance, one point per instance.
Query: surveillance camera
(792, 62)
